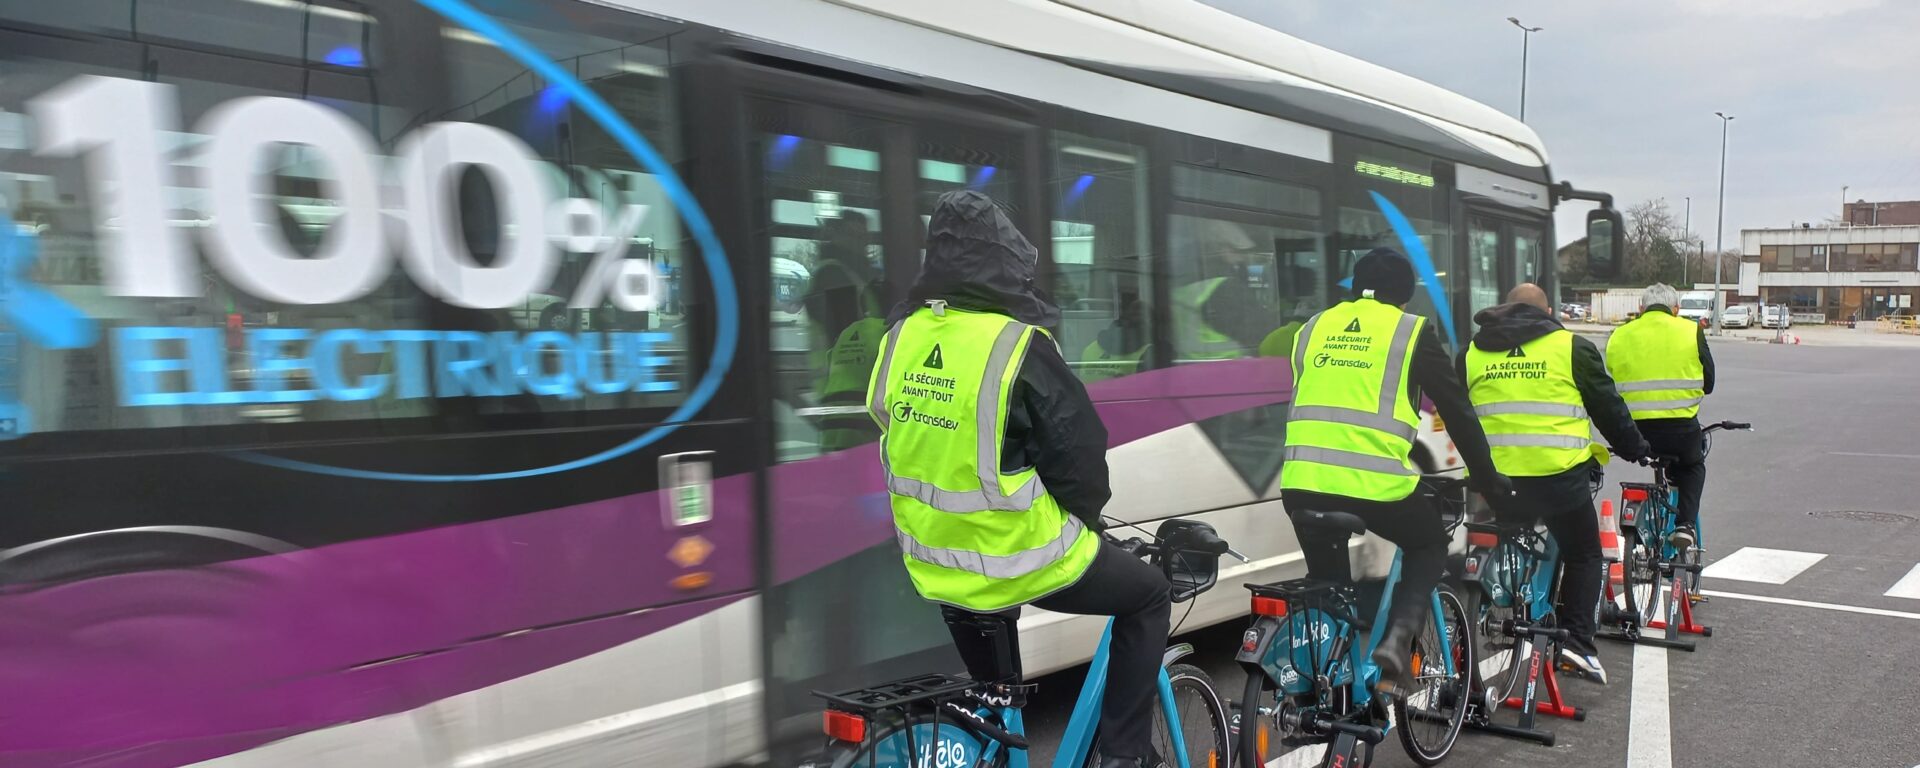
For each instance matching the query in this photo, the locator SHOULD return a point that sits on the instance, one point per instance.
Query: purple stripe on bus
(163, 667)
(261, 645)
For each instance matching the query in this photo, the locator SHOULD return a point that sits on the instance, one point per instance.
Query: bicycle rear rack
(900, 694)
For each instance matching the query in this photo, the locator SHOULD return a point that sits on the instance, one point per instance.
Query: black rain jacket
(1511, 325)
(978, 261)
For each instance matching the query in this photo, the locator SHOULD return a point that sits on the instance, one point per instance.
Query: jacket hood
(1507, 326)
(977, 260)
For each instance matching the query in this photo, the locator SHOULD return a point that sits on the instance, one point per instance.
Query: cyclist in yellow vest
(844, 312)
(1539, 391)
(1664, 370)
(1358, 369)
(996, 465)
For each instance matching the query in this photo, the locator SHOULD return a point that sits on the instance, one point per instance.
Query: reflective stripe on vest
(970, 535)
(1655, 362)
(1530, 406)
(995, 566)
(1350, 430)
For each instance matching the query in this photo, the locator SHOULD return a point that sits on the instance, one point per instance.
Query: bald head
(1528, 293)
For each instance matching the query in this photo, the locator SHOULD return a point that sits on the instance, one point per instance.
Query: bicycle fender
(1254, 642)
(1175, 653)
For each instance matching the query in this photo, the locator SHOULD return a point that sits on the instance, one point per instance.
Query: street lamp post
(1720, 226)
(1686, 262)
(1526, 39)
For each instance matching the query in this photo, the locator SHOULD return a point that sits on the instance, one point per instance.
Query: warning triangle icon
(1353, 327)
(933, 358)
(1515, 352)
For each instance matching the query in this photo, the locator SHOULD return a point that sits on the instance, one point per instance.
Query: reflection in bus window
(822, 226)
(1236, 283)
(1102, 276)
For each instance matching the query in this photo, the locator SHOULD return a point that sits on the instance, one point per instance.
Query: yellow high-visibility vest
(1351, 428)
(1530, 407)
(971, 535)
(1655, 361)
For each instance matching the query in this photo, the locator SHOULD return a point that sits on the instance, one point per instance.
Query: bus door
(1503, 250)
(842, 180)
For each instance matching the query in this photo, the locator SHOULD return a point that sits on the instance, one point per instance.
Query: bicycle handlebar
(1659, 462)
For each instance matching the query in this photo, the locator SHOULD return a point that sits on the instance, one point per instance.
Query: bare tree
(1652, 255)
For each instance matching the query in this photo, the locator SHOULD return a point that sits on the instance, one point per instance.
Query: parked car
(1573, 311)
(1738, 316)
(1776, 316)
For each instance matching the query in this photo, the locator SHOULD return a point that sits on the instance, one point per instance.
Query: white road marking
(1915, 456)
(1767, 566)
(1811, 604)
(1649, 723)
(1908, 587)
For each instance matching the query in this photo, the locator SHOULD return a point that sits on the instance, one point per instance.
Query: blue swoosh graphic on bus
(725, 299)
(45, 319)
(1422, 262)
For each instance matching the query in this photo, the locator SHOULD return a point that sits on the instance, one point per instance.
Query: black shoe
(1394, 658)
(1682, 538)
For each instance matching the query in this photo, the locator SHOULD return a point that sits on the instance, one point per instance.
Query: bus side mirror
(1606, 248)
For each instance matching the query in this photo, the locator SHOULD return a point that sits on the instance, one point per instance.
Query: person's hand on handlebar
(1492, 485)
(1631, 454)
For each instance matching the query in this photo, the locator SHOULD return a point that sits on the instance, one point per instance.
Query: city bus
(443, 382)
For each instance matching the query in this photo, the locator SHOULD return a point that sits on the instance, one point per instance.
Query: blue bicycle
(1659, 577)
(948, 721)
(1310, 670)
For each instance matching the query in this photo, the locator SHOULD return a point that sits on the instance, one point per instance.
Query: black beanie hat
(1387, 273)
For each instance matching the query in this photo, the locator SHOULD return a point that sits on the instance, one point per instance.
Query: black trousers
(1412, 524)
(1576, 530)
(1688, 447)
(1135, 595)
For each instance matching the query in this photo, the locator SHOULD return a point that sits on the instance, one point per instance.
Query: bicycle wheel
(1502, 654)
(1429, 718)
(1203, 720)
(1642, 573)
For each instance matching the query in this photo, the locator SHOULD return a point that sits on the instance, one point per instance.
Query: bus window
(1483, 263)
(1395, 198)
(821, 219)
(1102, 265)
(1526, 254)
(1246, 264)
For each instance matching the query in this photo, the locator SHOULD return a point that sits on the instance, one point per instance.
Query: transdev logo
(55, 324)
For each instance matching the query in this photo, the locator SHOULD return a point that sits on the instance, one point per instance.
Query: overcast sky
(1623, 93)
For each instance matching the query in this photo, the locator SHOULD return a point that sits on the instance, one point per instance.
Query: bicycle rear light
(1633, 494)
(1483, 539)
(845, 726)
(1269, 606)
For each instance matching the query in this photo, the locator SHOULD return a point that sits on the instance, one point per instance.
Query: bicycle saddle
(1333, 521)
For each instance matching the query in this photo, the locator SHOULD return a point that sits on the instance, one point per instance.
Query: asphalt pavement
(1812, 525)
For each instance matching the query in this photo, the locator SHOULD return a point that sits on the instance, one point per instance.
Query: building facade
(1901, 213)
(1860, 272)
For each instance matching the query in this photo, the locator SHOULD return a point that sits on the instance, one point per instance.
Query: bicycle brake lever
(1237, 556)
